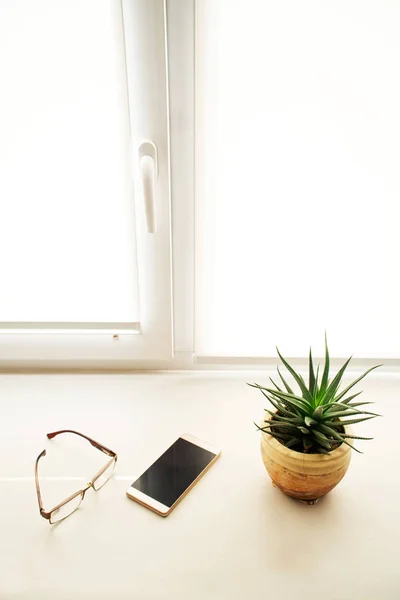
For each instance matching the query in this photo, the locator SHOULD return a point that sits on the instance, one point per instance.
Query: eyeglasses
(72, 503)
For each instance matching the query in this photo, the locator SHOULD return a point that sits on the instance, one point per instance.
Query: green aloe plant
(313, 420)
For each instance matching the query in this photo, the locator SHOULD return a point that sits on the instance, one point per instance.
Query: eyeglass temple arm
(93, 442)
(37, 480)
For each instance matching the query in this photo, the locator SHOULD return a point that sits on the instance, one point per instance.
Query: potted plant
(307, 440)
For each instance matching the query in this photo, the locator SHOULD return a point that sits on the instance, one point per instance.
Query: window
(297, 187)
(241, 154)
(84, 126)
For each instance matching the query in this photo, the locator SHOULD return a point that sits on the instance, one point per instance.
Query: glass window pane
(67, 239)
(298, 131)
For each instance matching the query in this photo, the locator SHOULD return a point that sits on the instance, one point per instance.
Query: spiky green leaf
(307, 444)
(274, 423)
(279, 406)
(340, 405)
(268, 396)
(287, 386)
(348, 413)
(290, 420)
(334, 385)
(303, 430)
(279, 434)
(318, 413)
(323, 440)
(291, 398)
(337, 436)
(320, 435)
(292, 442)
(346, 422)
(297, 378)
(316, 386)
(274, 384)
(347, 400)
(311, 375)
(342, 394)
(353, 404)
(356, 437)
(325, 374)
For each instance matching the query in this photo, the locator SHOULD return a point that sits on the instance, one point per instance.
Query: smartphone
(171, 476)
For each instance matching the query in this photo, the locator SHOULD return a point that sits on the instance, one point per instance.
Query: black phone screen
(175, 470)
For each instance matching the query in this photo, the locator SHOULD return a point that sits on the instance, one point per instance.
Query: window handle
(148, 165)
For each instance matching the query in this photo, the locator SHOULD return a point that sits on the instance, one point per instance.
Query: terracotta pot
(306, 477)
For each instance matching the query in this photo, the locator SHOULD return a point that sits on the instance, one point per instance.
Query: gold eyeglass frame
(47, 514)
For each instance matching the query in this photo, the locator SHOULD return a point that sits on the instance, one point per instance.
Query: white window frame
(77, 344)
(181, 68)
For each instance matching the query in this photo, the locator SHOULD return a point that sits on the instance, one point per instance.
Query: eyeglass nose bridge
(89, 485)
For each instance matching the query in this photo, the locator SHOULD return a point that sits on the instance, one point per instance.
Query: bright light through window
(67, 235)
(298, 187)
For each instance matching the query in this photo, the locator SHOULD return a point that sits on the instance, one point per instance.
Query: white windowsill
(234, 536)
